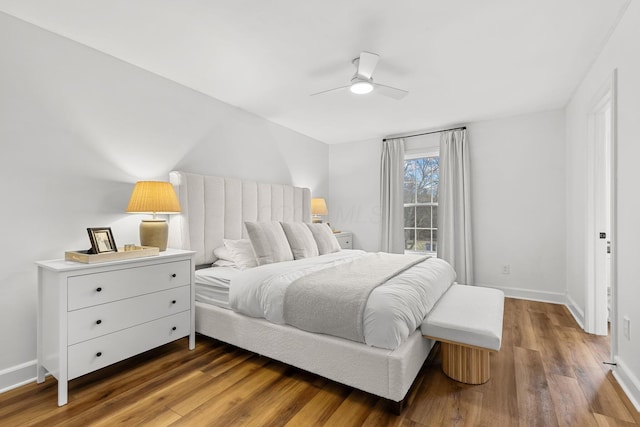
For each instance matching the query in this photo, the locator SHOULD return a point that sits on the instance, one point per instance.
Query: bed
(214, 211)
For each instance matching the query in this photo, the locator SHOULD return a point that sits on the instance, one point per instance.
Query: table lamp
(154, 197)
(318, 208)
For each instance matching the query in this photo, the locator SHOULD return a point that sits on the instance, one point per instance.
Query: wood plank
(534, 399)
(354, 410)
(601, 394)
(571, 406)
(555, 356)
(248, 388)
(523, 331)
(604, 421)
(321, 407)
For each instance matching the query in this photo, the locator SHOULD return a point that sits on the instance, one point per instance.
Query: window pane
(434, 217)
(423, 242)
(423, 214)
(424, 192)
(434, 240)
(435, 178)
(410, 217)
(409, 239)
(409, 168)
(409, 192)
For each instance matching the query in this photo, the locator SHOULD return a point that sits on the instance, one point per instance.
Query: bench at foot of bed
(467, 320)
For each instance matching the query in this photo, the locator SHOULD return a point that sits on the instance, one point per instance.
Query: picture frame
(101, 240)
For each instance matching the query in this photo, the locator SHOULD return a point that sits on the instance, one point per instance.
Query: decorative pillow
(269, 242)
(302, 243)
(223, 263)
(235, 253)
(241, 253)
(324, 237)
(223, 254)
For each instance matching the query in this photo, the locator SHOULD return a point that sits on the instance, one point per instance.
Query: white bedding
(212, 285)
(394, 310)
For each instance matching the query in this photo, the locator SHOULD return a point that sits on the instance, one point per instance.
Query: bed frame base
(385, 373)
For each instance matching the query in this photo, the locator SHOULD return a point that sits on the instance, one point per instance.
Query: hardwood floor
(548, 373)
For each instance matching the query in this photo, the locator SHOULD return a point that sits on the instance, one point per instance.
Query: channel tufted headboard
(215, 208)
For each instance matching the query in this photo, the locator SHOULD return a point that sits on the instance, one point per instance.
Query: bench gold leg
(465, 364)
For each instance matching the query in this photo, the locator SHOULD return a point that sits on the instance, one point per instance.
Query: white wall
(621, 52)
(354, 180)
(517, 182)
(77, 129)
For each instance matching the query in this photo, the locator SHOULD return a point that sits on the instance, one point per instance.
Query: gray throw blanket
(332, 301)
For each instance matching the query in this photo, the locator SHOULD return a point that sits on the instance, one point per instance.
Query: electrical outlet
(506, 269)
(626, 327)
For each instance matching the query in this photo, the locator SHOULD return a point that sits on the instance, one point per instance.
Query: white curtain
(454, 204)
(391, 201)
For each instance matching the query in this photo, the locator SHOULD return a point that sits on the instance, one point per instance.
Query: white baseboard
(629, 382)
(575, 311)
(531, 294)
(18, 375)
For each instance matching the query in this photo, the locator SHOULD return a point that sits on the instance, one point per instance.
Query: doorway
(601, 285)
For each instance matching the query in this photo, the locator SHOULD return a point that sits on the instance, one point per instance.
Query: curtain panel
(454, 205)
(391, 200)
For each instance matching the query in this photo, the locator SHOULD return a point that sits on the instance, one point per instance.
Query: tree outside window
(421, 178)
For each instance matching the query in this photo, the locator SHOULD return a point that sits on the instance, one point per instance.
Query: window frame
(423, 153)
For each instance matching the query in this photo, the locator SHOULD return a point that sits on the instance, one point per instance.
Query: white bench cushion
(470, 315)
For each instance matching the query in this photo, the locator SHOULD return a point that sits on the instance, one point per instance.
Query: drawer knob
(98, 321)
(98, 354)
(174, 275)
(173, 302)
(99, 289)
(174, 328)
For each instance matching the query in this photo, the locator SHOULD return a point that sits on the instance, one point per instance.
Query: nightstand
(93, 315)
(345, 239)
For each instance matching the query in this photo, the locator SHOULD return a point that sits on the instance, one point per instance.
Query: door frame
(595, 293)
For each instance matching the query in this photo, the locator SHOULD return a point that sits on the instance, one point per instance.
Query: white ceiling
(460, 60)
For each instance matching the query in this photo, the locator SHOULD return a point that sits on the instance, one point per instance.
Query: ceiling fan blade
(391, 92)
(367, 63)
(330, 90)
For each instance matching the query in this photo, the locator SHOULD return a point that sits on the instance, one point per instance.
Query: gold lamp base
(154, 232)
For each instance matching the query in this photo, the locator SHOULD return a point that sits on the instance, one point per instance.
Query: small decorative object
(154, 197)
(318, 209)
(102, 240)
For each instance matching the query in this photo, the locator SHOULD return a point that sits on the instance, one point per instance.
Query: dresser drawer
(97, 353)
(92, 322)
(99, 288)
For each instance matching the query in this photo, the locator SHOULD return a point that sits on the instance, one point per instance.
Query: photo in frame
(102, 240)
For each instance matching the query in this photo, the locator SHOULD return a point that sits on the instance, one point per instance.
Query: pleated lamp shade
(318, 208)
(154, 197)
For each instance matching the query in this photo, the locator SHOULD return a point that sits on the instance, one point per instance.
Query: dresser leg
(62, 393)
(40, 373)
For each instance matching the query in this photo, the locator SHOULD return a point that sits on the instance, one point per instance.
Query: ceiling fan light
(361, 87)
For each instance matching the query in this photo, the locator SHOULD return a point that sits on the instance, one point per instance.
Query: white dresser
(345, 239)
(93, 315)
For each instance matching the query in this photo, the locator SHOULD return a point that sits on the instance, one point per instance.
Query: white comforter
(394, 309)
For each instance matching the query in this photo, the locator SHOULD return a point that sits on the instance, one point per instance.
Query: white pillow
(222, 253)
(223, 263)
(241, 253)
(302, 243)
(269, 242)
(235, 253)
(324, 237)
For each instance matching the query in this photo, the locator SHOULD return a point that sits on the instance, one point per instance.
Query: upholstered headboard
(215, 208)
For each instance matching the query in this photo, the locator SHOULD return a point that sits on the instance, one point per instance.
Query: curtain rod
(427, 133)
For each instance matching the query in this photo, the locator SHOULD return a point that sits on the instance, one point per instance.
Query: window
(421, 178)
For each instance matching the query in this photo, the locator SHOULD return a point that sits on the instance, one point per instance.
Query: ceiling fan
(362, 82)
